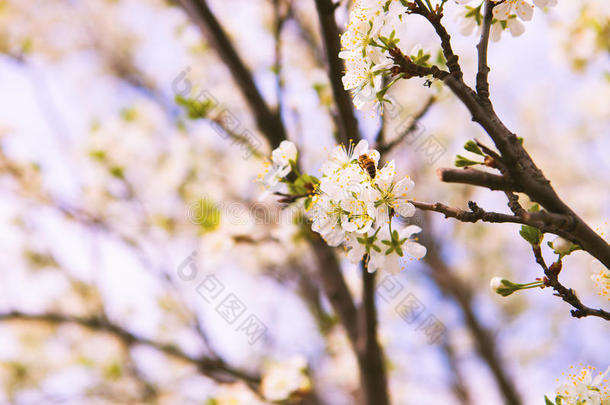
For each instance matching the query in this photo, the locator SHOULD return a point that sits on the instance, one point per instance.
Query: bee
(368, 165)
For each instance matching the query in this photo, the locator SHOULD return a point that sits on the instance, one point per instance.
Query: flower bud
(502, 286)
(562, 246)
(506, 287)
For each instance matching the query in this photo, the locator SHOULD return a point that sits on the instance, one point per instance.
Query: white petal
(496, 32)
(376, 261)
(361, 148)
(404, 209)
(382, 215)
(502, 11)
(415, 249)
(525, 10)
(403, 187)
(516, 27)
(409, 230)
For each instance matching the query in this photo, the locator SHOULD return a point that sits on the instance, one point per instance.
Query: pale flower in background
(281, 380)
(601, 277)
(278, 168)
(236, 394)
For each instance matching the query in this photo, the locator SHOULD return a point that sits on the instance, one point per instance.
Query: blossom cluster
(353, 205)
(506, 15)
(584, 389)
(283, 380)
(371, 33)
(365, 43)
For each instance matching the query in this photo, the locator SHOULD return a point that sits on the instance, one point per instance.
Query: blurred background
(139, 266)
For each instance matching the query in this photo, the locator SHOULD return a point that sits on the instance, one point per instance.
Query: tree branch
(385, 147)
(216, 369)
(476, 177)
(482, 83)
(521, 168)
(434, 17)
(566, 294)
(335, 287)
(267, 121)
(348, 125)
(373, 374)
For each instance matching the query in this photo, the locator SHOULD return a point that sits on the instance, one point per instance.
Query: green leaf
(547, 401)
(531, 234)
(471, 146)
(308, 202)
(461, 161)
(195, 109)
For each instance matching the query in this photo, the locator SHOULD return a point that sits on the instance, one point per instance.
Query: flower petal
(415, 249)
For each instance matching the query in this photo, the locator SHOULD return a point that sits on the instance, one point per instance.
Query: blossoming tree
(144, 247)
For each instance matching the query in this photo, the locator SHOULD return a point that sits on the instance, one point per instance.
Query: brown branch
(348, 125)
(373, 374)
(335, 287)
(458, 385)
(483, 72)
(280, 18)
(477, 178)
(525, 173)
(545, 221)
(216, 369)
(267, 121)
(566, 294)
(385, 147)
(434, 17)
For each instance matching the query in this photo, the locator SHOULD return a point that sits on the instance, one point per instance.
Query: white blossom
(278, 168)
(507, 15)
(584, 389)
(365, 59)
(504, 10)
(354, 208)
(394, 262)
(281, 380)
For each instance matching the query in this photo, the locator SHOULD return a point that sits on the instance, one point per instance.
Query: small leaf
(531, 234)
(471, 146)
(308, 202)
(461, 161)
(547, 401)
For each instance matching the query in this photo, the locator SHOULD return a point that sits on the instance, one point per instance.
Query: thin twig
(268, 121)
(566, 294)
(387, 147)
(216, 369)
